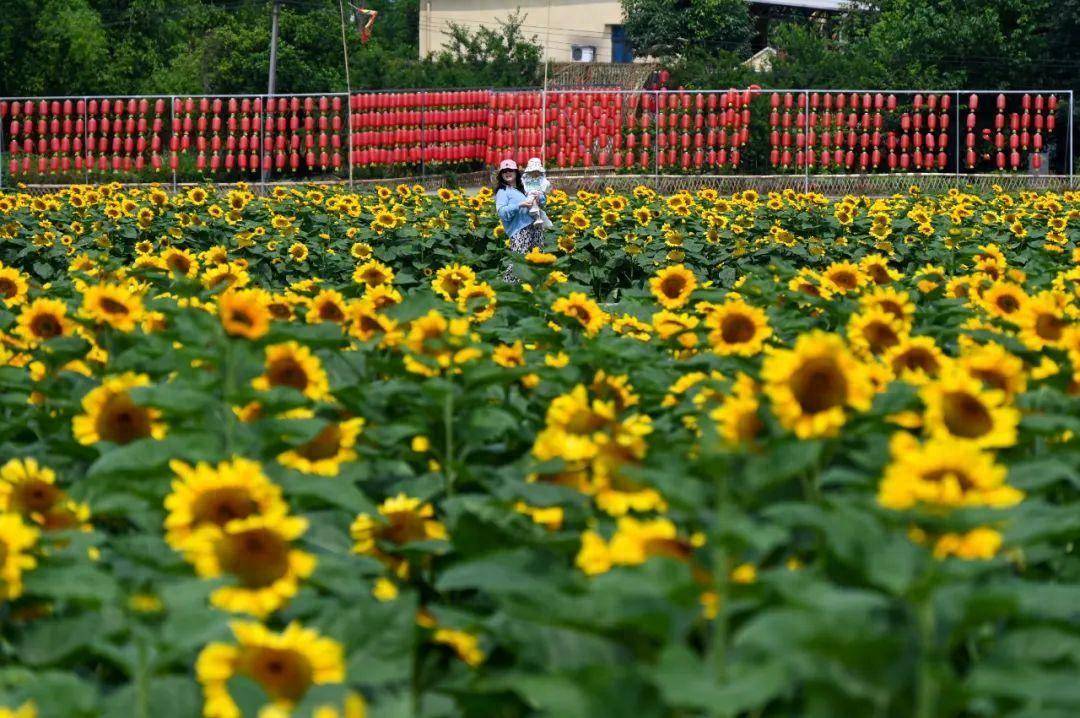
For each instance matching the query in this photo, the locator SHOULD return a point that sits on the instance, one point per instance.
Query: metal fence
(796, 134)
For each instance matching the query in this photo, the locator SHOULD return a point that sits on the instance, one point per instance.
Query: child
(536, 186)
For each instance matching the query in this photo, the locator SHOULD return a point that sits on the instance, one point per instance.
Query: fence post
(2, 121)
(423, 137)
(86, 139)
(956, 132)
(806, 142)
(349, 133)
(656, 135)
(1071, 141)
(172, 130)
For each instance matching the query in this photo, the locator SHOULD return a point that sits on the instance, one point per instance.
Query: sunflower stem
(448, 431)
(226, 392)
(142, 680)
(926, 686)
(721, 571)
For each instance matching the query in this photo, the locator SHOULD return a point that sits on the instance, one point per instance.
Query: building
(575, 30)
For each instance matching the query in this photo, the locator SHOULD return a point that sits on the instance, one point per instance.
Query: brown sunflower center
(279, 310)
(403, 528)
(879, 274)
(179, 263)
(673, 286)
(7, 288)
(35, 496)
(121, 421)
(1007, 303)
(954, 473)
(916, 359)
(891, 307)
(845, 279)
(240, 316)
(282, 673)
(46, 326)
(324, 446)
(819, 385)
(111, 306)
(1049, 327)
(879, 336)
(965, 416)
(288, 372)
(331, 312)
(220, 506)
(737, 329)
(257, 557)
(992, 378)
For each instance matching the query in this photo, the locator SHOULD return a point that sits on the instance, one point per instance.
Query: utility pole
(272, 82)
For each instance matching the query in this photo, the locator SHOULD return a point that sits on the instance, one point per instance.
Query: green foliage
(666, 28)
(207, 46)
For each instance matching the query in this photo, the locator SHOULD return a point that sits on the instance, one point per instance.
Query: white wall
(584, 22)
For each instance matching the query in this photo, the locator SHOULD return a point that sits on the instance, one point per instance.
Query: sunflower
(574, 422)
(916, 360)
(995, 367)
(1043, 320)
(373, 273)
(979, 544)
(285, 665)
(895, 302)
(844, 277)
(245, 312)
(402, 520)
(112, 304)
(616, 389)
(111, 415)
(633, 543)
(478, 299)
(257, 555)
(196, 195)
(876, 267)
(366, 323)
(361, 250)
(205, 497)
(810, 283)
(509, 355)
(30, 490)
(13, 286)
(736, 419)
(958, 406)
(326, 451)
(298, 252)
(16, 539)
(874, 331)
(737, 328)
(813, 384)
(327, 306)
(535, 256)
(41, 320)
(1003, 299)
(943, 472)
(293, 365)
(451, 279)
(382, 296)
(223, 276)
(587, 312)
(672, 286)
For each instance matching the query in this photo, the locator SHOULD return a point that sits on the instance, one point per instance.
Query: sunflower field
(757, 455)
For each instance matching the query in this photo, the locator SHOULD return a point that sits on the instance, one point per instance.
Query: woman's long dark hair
(499, 184)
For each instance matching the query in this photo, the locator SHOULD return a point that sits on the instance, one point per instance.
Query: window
(583, 53)
(620, 45)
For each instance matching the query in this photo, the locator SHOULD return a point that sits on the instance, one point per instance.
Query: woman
(513, 206)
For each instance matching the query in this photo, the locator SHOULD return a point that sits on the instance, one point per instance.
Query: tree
(667, 28)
